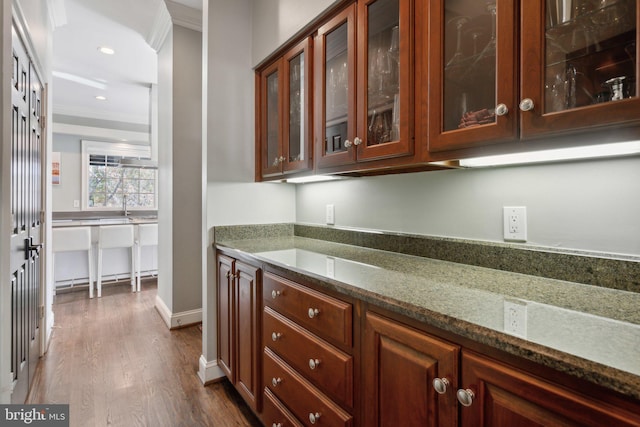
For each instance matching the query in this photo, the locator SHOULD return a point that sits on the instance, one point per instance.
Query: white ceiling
(81, 72)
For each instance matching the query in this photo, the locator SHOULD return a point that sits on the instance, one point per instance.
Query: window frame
(112, 149)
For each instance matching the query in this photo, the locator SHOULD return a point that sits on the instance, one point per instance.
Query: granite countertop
(57, 223)
(586, 331)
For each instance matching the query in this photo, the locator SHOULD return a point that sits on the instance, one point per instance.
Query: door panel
(26, 207)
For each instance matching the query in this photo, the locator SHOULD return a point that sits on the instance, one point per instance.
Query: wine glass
(458, 22)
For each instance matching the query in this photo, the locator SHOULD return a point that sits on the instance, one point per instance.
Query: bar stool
(147, 236)
(70, 239)
(115, 236)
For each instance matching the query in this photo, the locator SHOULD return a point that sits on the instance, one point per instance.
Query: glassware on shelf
(458, 56)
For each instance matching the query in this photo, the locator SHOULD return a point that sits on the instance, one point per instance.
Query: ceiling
(81, 72)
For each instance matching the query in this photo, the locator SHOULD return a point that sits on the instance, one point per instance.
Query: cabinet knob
(281, 159)
(502, 110)
(275, 336)
(313, 312)
(275, 381)
(313, 418)
(440, 385)
(228, 274)
(276, 425)
(526, 104)
(465, 397)
(275, 294)
(348, 144)
(313, 363)
(357, 141)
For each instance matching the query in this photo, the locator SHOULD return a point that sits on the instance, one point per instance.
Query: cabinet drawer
(320, 362)
(300, 396)
(322, 314)
(275, 414)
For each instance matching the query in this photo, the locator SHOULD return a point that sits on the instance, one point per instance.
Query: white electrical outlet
(515, 223)
(515, 318)
(330, 215)
(76, 203)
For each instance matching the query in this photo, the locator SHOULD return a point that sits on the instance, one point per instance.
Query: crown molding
(160, 28)
(57, 13)
(184, 16)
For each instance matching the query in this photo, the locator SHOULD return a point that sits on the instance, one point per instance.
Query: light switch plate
(330, 215)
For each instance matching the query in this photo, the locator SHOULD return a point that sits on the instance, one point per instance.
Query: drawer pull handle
(440, 385)
(313, 312)
(313, 363)
(465, 397)
(275, 381)
(314, 417)
(275, 294)
(276, 425)
(275, 336)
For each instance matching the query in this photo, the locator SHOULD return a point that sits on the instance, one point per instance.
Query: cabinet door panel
(335, 78)
(225, 317)
(472, 69)
(275, 413)
(271, 119)
(247, 333)
(579, 65)
(400, 364)
(385, 84)
(505, 396)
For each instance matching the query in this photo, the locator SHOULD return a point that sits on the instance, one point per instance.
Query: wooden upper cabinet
(471, 86)
(365, 85)
(579, 68)
(284, 105)
(573, 70)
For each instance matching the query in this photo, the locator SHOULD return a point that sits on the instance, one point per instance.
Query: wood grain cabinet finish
(518, 70)
(239, 325)
(275, 414)
(284, 98)
(400, 364)
(315, 311)
(327, 367)
(506, 396)
(306, 402)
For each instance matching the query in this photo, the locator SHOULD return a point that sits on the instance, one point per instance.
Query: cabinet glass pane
(469, 63)
(383, 103)
(590, 53)
(296, 108)
(336, 89)
(273, 120)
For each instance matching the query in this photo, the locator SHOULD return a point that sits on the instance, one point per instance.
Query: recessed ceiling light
(106, 50)
(101, 98)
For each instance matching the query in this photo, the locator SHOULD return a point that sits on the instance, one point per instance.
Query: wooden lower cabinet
(239, 327)
(400, 364)
(505, 396)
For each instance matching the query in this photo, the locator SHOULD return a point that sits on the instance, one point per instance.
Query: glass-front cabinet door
(335, 51)
(271, 120)
(580, 65)
(472, 73)
(385, 80)
(285, 106)
(297, 106)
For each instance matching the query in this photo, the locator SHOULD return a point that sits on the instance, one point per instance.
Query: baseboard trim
(209, 372)
(177, 320)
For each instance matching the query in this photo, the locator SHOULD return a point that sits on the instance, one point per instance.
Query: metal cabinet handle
(502, 110)
(357, 141)
(313, 363)
(275, 381)
(275, 294)
(275, 336)
(526, 104)
(276, 425)
(465, 397)
(440, 385)
(281, 159)
(313, 312)
(348, 144)
(313, 418)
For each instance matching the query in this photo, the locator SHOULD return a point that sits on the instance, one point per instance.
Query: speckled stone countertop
(586, 331)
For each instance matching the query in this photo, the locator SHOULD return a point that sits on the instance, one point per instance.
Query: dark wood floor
(115, 363)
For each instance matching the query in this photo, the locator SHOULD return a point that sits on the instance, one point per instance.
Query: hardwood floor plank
(116, 364)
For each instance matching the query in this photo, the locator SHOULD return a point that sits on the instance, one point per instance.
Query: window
(111, 183)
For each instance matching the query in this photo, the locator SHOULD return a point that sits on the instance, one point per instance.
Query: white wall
(276, 21)
(70, 187)
(589, 205)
